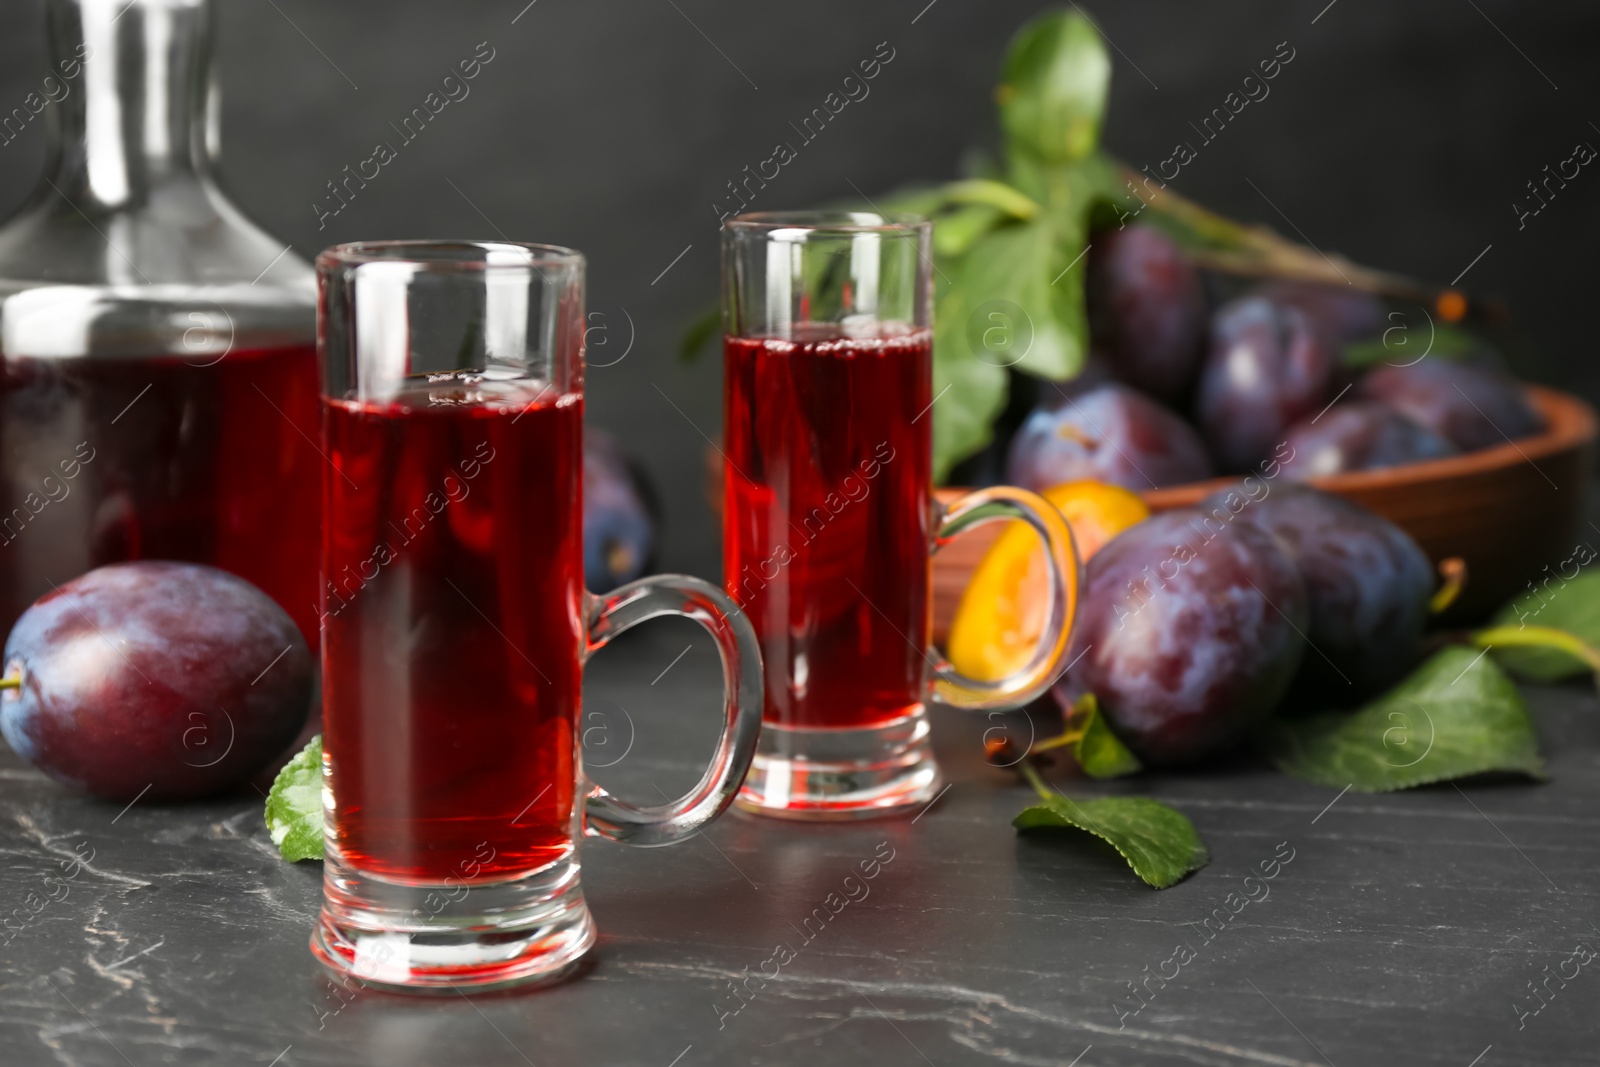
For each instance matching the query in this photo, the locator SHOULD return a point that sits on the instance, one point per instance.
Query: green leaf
(1016, 317)
(1564, 604)
(1110, 192)
(1456, 715)
(1000, 310)
(1405, 342)
(968, 393)
(1100, 752)
(954, 232)
(996, 194)
(1053, 87)
(1160, 844)
(917, 199)
(294, 806)
(698, 334)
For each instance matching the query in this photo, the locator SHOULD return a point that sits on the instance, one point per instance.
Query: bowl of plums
(1199, 382)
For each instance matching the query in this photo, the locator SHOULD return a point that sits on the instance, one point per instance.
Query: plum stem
(1034, 780)
(1453, 575)
(1061, 740)
(1219, 243)
(1539, 637)
(12, 682)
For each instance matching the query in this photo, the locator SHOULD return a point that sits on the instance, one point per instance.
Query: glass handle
(675, 594)
(1061, 558)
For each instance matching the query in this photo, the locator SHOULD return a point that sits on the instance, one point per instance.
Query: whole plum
(1470, 406)
(1266, 369)
(1107, 432)
(1358, 436)
(167, 680)
(1338, 312)
(1369, 585)
(618, 524)
(1189, 632)
(1147, 309)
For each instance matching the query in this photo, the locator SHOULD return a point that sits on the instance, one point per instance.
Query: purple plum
(1108, 432)
(154, 679)
(1369, 585)
(1147, 309)
(618, 524)
(1189, 632)
(1340, 313)
(1472, 407)
(1266, 369)
(1358, 436)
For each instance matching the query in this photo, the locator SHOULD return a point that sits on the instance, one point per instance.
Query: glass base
(453, 937)
(833, 773)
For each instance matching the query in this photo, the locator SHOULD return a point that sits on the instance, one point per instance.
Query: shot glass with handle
(455, 625)
(829, 517)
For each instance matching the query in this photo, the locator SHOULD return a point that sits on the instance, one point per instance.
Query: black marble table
(1409, 928)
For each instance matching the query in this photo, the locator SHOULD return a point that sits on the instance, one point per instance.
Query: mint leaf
(955, 232)
(1053, 87)
(993, 193)
(1570, 604)
(1458, 714)
(1000, 311)
(1100, 752)
(1016, 318)
(294, 806)
(968, 393)
(1160, 844)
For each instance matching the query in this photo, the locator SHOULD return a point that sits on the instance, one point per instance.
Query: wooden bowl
(1509, 511)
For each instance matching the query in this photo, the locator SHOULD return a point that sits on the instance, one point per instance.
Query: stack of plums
(1196, 624)
(1262, 377)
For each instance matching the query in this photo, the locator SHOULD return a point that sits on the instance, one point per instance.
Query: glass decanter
(159, 389)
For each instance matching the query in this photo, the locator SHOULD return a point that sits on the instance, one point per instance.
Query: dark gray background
(1400, 135)
(1408, 927)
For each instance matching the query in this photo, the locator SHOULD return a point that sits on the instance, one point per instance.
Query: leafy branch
(1010, 245)
(1010, 240)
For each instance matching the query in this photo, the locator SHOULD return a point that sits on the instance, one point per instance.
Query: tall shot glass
(829, 520)
(455, 624)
